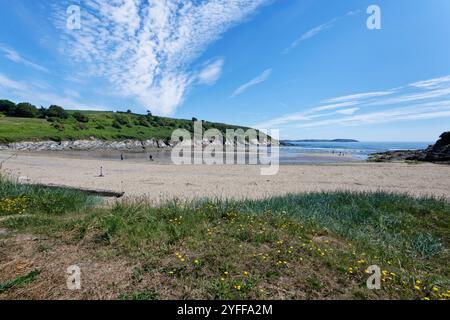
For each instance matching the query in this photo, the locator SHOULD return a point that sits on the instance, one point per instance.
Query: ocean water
(354, 150)
(300, 153)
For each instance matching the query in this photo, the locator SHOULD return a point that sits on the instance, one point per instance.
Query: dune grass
(308, 246)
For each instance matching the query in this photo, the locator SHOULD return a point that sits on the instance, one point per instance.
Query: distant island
(292, 142)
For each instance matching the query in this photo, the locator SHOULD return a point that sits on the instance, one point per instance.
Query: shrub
(142, 121)
(122, 120)
(80, 126)
(7, 106)
(116, 124)
(80, 117)
(59, 126)
(24, 110)
(56, 112)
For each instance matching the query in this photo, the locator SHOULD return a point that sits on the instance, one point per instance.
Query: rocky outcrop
(85, 145)
(106, 145)
(438, 153)
(441, 150)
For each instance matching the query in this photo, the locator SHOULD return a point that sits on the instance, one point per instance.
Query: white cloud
(432, 97)
(14, 56)
(311, 33)
(319, 29)
(359, 96)
(259, 79)
(8, 83)
(145, 48)
(432, 83)
(348, 111)
(211, 73)
(417, 112)
(335, 106)
(41, 94)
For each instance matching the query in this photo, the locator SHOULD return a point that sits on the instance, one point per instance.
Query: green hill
(57, 124)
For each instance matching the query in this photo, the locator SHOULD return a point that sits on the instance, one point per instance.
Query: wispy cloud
(433, 83)
(316, 30)
(42, 94)
(211, 72)
(259, 79)
(14, 56)
(431, 98)
(310, 33)
(7, 83)
(348, 111)
(145, 48)
(359, 96)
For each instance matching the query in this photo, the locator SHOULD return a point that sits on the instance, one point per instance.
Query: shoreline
(162, 182)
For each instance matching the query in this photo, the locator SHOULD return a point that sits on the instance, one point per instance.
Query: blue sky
(310, 68)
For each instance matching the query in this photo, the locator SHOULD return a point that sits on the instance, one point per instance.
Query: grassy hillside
(294, 247)
(101, 125)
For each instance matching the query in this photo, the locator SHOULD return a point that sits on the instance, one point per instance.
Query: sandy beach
(159, 182)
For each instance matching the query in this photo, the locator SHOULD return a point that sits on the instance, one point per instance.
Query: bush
(59, 126)
(80, 117)
(24, 110)
(142, 121)
(122, 120)
(80, 126)
(56, 112)
(116, 124)
(7, 106)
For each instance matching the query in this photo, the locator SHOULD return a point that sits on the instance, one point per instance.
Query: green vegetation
(25, 122)
(19, 199)
(298, 246)
(20, 281)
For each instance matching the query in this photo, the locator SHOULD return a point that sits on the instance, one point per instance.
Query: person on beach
(121, 156)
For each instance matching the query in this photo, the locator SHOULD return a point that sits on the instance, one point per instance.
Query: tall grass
(23, 198)
(245, 249)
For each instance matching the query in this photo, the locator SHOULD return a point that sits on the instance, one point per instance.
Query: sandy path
(159, 182)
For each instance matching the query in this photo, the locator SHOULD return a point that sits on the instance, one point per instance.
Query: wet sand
(159, 182)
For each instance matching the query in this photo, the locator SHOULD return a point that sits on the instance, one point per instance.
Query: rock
(439, 153)
(441, 150)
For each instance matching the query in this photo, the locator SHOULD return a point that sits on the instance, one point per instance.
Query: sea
(298, 153)
(303, 152)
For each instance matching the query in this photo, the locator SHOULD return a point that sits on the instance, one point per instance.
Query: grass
(20, 199)
(20, 281)
(308, 246)
(100, 126)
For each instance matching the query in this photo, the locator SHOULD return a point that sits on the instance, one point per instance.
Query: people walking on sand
(121, 157)
(151, 158)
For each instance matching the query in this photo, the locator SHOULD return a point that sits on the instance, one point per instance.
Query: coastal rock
(84, 145)
(438, 153)
(441, 150)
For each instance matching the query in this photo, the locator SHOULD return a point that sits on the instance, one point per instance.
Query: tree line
(27, 110)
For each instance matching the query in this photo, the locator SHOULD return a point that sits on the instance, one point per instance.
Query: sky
(312, 69)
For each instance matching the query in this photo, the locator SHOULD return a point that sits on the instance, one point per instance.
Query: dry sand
(162, 182)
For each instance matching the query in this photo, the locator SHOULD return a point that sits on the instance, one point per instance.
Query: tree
(56, 112)
(7, 106)
(24, 110)
(194, 119)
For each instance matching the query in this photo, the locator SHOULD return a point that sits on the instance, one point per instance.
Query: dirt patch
(103, 275)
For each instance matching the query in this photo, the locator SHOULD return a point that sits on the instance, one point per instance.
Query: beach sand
(159, 182)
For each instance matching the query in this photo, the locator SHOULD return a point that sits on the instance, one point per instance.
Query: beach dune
(160, 182)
